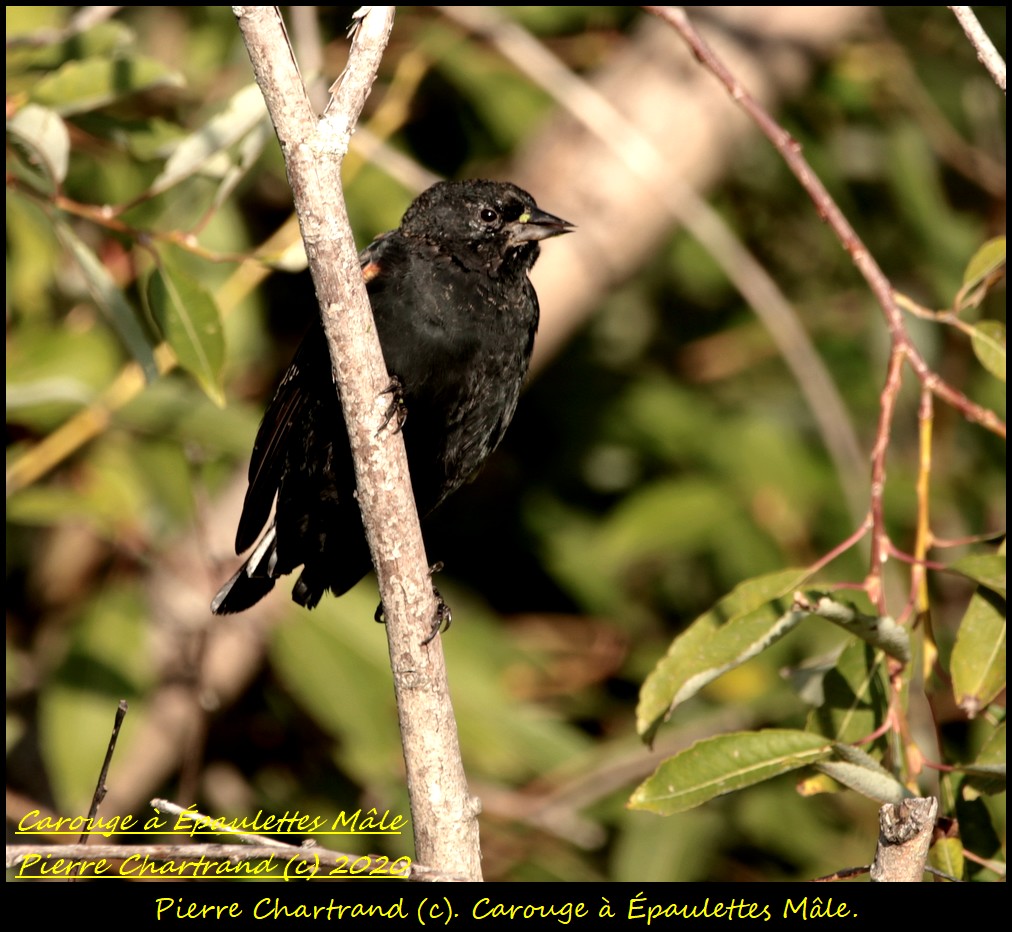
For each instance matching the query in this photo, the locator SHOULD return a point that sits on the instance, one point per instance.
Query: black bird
(456, 316)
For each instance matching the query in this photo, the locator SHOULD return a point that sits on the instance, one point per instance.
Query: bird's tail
(254, 579)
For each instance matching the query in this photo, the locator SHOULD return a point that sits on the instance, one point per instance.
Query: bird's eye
(488, 215)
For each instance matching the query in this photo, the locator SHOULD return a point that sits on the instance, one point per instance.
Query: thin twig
(843, 874)
(205, 824)
(876, 279)
(879, 538)
(987, 54)
(902, 350)
(100, 788)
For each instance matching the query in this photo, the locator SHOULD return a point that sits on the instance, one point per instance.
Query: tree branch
(444, 815)
(904, 838)
(987, 54)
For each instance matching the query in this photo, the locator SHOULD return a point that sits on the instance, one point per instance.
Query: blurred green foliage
(661, 461)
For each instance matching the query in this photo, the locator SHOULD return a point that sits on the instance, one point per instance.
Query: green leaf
(988, 569)
(63, 38)
(33, 252)
(978, 657)
(109, 299)
(742, 624)
(985, 269)
(252, 145)
(988, 341)
(946, 855)
(720, 765)
(42, 131)
(190, 322)
(80, 86)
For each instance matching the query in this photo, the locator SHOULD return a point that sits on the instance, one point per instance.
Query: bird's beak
(537, 225)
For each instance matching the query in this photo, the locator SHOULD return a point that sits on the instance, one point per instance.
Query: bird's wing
(286, 412)
(282, 416)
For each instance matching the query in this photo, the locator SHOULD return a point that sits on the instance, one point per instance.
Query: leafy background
(661, 455)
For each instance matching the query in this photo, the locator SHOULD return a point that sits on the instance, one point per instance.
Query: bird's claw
(440, 621)
(398, 408)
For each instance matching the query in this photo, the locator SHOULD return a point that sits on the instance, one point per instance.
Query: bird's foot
(398, 408)
(440, 621)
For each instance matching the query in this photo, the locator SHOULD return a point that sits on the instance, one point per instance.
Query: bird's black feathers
(456, 316)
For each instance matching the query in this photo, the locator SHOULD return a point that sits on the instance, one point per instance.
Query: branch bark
(987, 54)
(443, 813)
(903, 841)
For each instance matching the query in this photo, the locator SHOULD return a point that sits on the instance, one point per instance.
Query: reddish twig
(902, 347)
(876, 279)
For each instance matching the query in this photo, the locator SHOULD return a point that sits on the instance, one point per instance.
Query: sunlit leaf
(978, 657)
(249, 151)
(745, 622)
(190, 322)
(946, 855)
(982, 271)
(42, 131)
(987, 774)
(988, 569)
(988, 339)
(880, 631)
(720, 765)
(817, 784)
